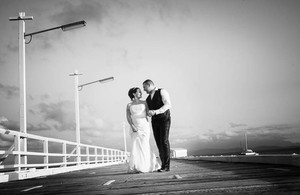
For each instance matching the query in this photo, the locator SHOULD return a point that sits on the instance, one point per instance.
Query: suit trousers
(161, 128)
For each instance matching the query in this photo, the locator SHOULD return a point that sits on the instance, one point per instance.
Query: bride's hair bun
(132, 91)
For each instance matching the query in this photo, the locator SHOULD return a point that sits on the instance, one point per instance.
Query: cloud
(92, 126)
(39, 127)
(220, 136)
(171, 10)
(9, 91)
(15, 125)
(12, 47)
(112, 15)
(286, 132)
(5, 140)
(59, 115)
(70, 11)
(4, 54)
(270, 128)
(87, 10)
(234, 125)
(90, 118)
(45, 97)
(8, 124)
(3, 119)
(2, 61)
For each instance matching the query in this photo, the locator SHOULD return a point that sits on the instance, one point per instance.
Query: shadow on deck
(185, 177)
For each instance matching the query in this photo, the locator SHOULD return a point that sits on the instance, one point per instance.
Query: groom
(159, 105)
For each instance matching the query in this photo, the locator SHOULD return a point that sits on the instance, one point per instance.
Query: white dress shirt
(165, 99)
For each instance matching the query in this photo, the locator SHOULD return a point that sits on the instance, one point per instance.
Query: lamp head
(106, 80)
(73, 25)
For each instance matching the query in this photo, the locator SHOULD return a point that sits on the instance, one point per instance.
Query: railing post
(96, 155)
(107, 155)
(17, 143)
(110, 155)
(87, 149)
(23, 144)
(78, 152)
(114, 155)
(102, 153)
(45, 150)
(64, 151)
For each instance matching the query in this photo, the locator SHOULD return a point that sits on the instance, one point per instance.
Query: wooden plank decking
(185, 177)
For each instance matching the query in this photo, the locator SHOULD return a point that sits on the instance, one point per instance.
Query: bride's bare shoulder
(129, 104)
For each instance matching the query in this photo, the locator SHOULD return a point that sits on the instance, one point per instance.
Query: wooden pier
(185, 177)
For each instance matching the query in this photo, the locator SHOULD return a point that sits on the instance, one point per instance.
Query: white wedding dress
(142, 158)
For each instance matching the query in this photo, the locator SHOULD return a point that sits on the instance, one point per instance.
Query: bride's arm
(147, 111)
(129, 120)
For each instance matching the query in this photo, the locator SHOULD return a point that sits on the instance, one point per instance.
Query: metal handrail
(93, 155)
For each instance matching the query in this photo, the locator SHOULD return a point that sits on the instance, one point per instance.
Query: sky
(230, 67)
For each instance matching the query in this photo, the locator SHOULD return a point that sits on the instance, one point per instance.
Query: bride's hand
(151, 113)
(134, 129)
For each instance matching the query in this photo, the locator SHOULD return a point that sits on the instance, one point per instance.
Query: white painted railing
(38, 160)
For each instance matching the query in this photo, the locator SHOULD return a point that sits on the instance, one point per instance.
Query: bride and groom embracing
(157, 106)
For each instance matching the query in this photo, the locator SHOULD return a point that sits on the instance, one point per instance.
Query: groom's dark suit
(161, 126)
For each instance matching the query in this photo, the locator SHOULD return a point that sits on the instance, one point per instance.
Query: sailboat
(247, 151)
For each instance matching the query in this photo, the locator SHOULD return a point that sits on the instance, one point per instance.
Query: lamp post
(124, 136)
(22, 71)
(78, 88)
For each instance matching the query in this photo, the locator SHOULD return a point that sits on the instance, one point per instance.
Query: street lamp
(77, 89)
(65, 27)
(21, 19)
(124, 136)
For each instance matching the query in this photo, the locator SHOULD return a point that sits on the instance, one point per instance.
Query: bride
(142, 158)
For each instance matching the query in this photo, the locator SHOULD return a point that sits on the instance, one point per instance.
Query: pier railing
(45, 156)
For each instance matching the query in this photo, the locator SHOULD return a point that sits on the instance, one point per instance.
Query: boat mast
(246, 141)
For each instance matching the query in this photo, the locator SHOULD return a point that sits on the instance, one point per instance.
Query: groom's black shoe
(163, 170)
